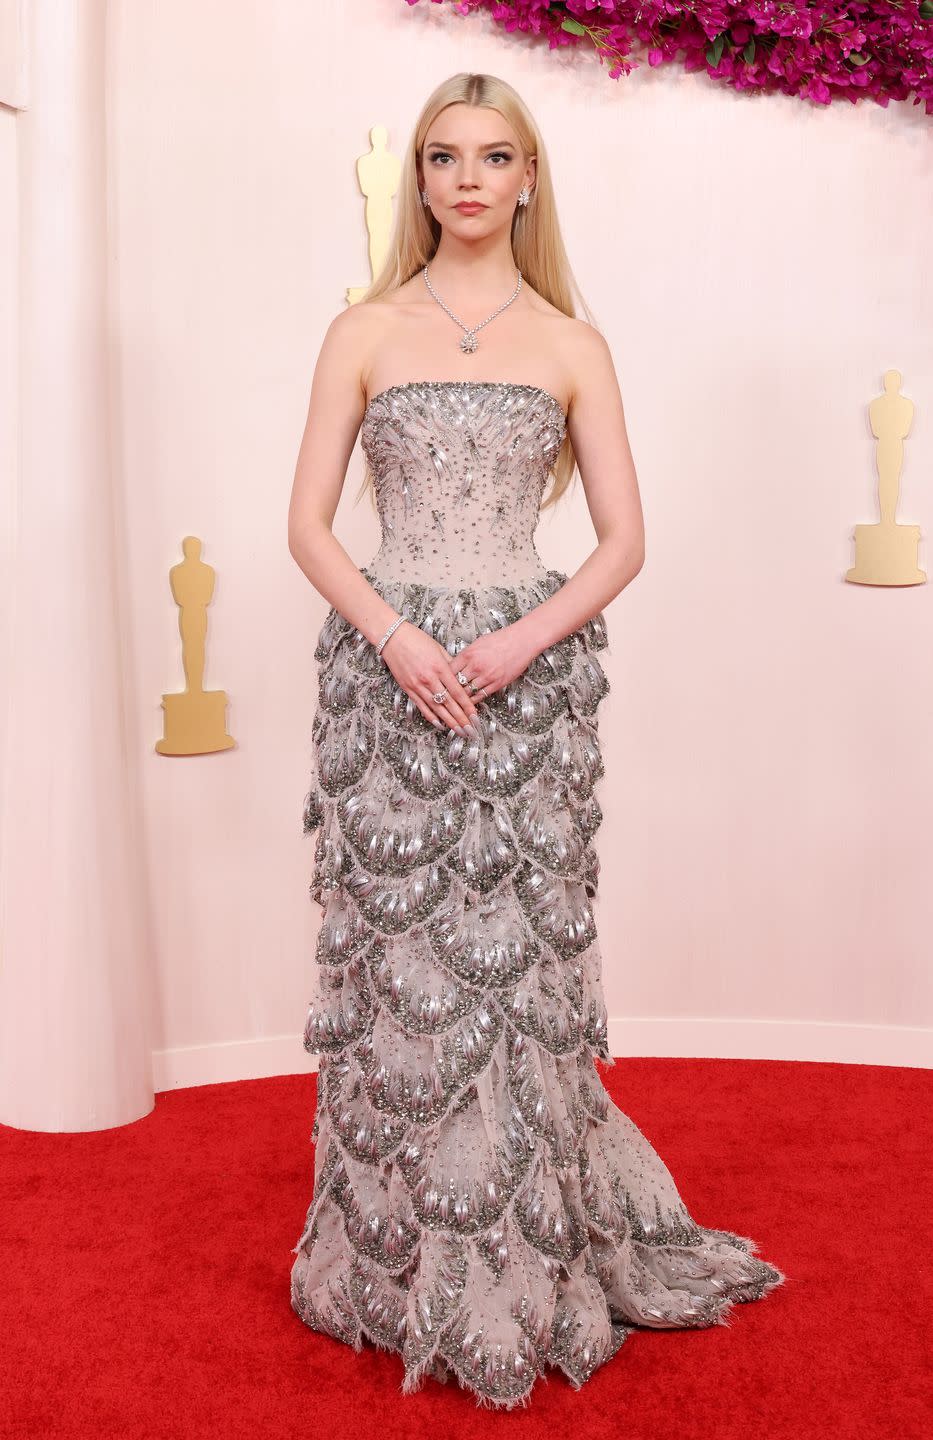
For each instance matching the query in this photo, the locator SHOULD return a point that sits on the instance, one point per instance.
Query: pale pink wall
(76, 962)
(756, 265)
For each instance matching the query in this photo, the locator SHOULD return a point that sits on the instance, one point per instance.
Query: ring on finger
(439, 697)
(463, 679)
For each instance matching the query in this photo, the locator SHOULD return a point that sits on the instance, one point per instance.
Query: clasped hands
(432, 677)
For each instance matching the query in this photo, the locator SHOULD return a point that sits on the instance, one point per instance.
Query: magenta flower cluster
(818, 52)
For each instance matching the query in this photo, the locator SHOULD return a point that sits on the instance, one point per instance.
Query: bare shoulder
(351, 338)
(587, 346)
(584, 349)
(589, 362)
(349, 326)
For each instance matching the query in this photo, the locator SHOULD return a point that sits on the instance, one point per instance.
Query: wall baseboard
(816, 1041)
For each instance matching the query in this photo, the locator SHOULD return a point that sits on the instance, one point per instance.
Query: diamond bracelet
(400, 620)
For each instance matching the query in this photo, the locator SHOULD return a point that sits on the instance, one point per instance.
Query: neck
(476, 274)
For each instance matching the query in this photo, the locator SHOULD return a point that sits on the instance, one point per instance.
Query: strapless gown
(480, 1205)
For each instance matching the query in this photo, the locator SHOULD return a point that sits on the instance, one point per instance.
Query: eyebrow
(499, 145)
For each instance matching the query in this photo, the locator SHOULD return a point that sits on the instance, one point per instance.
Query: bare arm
(335, 413)
(596, 423)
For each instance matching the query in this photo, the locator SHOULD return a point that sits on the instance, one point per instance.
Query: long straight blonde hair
(537, 246)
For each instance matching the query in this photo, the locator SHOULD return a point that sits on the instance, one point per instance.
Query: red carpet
(145, 1272)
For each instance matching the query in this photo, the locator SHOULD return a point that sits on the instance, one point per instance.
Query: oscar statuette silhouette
(886, 552)
(195, 718)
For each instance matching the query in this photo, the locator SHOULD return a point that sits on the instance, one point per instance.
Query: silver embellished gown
(480, 1204)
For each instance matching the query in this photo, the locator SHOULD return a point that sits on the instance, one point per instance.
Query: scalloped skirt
(480, 1205)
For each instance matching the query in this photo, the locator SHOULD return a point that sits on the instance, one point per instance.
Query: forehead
(462, 126)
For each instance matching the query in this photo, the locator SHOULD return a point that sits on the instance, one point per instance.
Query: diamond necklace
(468, 341)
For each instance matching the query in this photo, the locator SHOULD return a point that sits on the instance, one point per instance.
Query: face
(471, 153)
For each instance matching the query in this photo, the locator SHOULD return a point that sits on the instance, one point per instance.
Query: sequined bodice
(459, 468)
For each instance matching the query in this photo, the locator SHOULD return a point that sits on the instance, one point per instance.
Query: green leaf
(926, 9)
(714, 51)
(857, 59)
(748, 54)
(574, 27)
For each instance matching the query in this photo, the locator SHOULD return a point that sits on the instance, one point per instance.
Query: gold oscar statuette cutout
(195, 719)
(378, 173)
(886, 553)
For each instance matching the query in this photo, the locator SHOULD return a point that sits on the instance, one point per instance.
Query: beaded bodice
(459, 468)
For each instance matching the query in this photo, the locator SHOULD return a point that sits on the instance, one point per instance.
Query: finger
(449, 714)
(468, 687)
(459, 692)
(427, 712)
(474, 689)
(462, 709)
(462, 727)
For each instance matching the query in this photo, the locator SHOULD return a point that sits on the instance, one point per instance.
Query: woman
(480, 1204)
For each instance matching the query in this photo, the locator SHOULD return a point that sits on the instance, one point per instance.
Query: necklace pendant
(468, 343)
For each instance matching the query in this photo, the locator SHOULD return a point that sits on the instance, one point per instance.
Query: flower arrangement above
(818, 52)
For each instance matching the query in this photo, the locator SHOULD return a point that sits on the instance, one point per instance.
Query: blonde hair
(537, 245)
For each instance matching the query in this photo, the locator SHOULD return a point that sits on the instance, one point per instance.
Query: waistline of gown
(388, 581)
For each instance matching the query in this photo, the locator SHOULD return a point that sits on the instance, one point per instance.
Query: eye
(495, 155)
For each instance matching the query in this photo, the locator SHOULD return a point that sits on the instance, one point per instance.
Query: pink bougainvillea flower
(879, 49)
